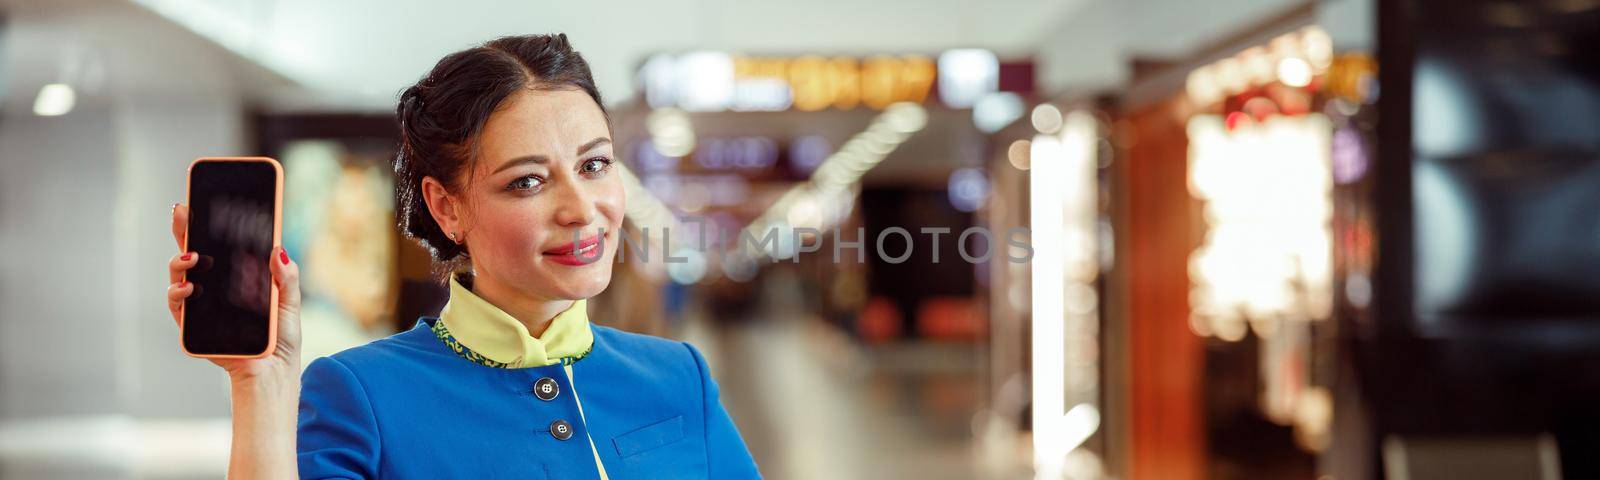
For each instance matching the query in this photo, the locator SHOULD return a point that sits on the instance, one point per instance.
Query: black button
(561, 429)
(546, 389)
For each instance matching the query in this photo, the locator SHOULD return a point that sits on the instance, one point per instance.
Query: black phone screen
(232, 221)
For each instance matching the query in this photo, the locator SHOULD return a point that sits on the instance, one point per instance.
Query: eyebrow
(541, 159)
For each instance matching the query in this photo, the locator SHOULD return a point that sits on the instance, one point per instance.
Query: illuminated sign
(716, 81)
(1294, 59)
(1267, 254)
(1063, 193)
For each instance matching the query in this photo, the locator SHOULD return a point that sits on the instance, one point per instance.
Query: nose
(575, 205)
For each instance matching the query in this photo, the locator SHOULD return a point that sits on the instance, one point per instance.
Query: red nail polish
(283, 256)
(187, 256)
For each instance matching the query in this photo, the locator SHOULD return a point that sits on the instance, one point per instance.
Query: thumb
(286, 275)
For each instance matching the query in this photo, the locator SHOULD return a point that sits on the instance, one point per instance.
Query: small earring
(454, 237)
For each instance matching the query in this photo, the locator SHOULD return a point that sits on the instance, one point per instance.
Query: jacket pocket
(650, 437)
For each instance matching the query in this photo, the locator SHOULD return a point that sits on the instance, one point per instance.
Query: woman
(506, 174)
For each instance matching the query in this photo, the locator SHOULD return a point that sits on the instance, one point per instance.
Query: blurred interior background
(1275, 239)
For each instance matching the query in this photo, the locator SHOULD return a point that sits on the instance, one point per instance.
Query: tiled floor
(113, 447)
(812, 404)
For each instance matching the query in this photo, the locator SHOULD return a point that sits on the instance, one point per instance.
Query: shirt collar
(491, 332)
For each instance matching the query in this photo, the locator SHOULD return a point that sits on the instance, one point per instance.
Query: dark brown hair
(442, 115)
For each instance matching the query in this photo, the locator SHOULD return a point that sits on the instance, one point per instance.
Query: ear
(445, 208)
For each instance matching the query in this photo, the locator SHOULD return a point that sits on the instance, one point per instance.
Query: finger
(180, 264)
(176, 293)
(180, 223)
(286, 275)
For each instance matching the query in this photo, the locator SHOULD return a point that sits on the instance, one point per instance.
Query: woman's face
(544, 201)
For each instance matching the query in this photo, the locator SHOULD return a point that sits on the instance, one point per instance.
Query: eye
(529, 183)
(595, 166)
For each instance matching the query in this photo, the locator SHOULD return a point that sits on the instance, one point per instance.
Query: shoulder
(644, 353)
(638, 344)
(652, 349)
(418, 341)
(405, 353)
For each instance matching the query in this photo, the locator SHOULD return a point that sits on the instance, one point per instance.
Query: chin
(592, 289)
(585, 285)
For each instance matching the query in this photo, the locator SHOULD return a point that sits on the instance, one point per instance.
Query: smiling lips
(583, 252)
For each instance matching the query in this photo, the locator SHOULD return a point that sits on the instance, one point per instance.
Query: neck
(534, 313)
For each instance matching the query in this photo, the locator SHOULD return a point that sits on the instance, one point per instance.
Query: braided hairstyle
(443, 113)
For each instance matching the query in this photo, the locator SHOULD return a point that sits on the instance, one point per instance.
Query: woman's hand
(285, 359)
(265, 391)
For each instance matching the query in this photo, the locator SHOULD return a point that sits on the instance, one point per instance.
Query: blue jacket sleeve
(338, 434)
(727, 455)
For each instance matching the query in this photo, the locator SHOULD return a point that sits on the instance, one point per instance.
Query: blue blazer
(407, 406)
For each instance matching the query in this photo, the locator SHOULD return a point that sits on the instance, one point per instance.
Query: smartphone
(235, 220)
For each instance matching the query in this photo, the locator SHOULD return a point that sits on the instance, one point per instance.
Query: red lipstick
(583, 252)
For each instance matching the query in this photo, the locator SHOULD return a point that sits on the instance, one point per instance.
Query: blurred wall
(55, 284)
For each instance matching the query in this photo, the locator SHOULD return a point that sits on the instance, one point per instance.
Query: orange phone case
(277, 234)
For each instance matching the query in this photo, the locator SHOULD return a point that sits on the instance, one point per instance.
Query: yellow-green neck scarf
(485, 334)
